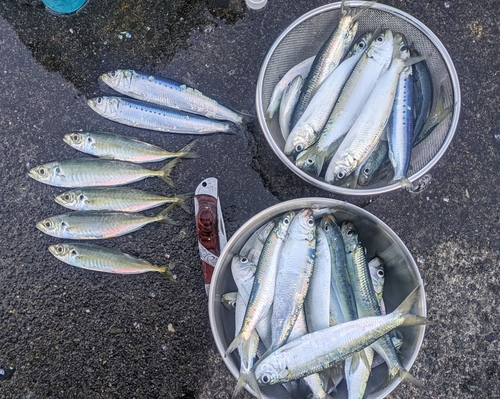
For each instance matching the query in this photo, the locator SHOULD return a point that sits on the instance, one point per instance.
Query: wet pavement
(72, 333)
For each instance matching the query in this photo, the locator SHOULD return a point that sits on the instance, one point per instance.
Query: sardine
(153, 117)
(374, 163)
(307, 129)
(121, 199)
(102, 259)
(123, 148)
(90, 172)
(294, 272)
(287, 105)
(368, 127)
(400, 124)
(322, 349)
(93, 225)
(366, 300)
(301, 69)
(263, 288)
(328, 57)
(168, 93)
(374, 61)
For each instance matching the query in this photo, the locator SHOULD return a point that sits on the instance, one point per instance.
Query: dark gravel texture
(72, 333)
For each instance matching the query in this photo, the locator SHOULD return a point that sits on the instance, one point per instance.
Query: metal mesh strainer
(303, 39)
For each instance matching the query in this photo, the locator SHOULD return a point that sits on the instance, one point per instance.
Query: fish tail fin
(167, 169)
(406, 184)
(163, 216)
(247, 379)
(181, 201)
(186, 152)
(404, 308)
(362, 10)
(239, 339)
(167, 271)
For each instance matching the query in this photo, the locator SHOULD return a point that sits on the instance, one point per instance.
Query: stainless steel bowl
(402, 276)
(304, 37)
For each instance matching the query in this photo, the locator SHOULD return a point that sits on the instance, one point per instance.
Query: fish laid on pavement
(93, 225)
(90, 172)
(154, 117)
(168, 93)
(102, 259)
(123, 148)
(123, 199)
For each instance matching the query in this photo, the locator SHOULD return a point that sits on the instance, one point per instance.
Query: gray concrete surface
(71, 333)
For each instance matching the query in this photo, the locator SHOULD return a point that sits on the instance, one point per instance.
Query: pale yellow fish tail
(247, 379)
(163, 216)
(186, 153)
(166, 170)
(181, 201)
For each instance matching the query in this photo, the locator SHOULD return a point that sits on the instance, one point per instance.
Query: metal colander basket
(303, 39)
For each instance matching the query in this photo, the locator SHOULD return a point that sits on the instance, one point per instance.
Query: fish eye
(361, 45)
(299, 147)
(367, 170)
(310, 222)
(47, 223)
(113, 74)
(380, 39)
(75, 137)
(310, 161)
(60, 249)
(66, 197)
(350, 232)
(286, 221)
(266, 379)
(99, 101)
(404, 48)
(380, 273)
(341, 175)
(41, 171)
(244, 260)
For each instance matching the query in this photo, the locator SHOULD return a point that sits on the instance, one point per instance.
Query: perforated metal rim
(442, 143)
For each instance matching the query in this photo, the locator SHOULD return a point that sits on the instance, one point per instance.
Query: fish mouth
(53, 250)
(66, 137)
(59, 200)
(92, 103)
(41, 227)
(33, 174)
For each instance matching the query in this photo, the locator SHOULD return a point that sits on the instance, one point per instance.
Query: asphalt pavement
(73, 333)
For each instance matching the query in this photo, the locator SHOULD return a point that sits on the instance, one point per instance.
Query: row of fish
(164, 105)
(101, 208)
(309, 308)
(357, 106)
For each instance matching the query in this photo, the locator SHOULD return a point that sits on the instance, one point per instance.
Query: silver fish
(115, 146)
(168, 93)
(322, 349)
(293, 276)
(287, 105)
(375, 60)
(400, 124)
(307, 129)
(121, 199)
(153, 117)
(102, 259)
(367, 129)
(90, 172)
(263, 288)
(301, 69)
(91, 225)
(328, 57)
